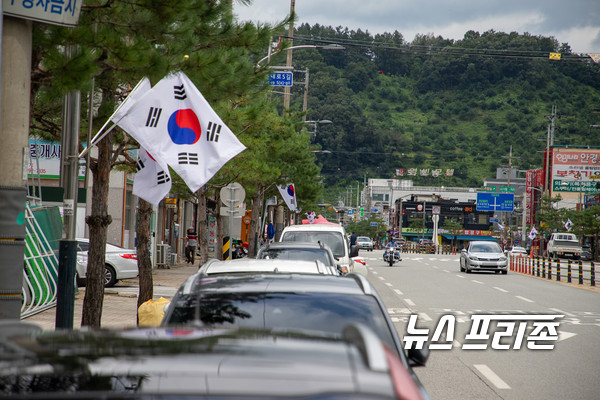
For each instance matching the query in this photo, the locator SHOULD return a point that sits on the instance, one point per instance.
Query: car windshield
(297, 254)
(325, 313)
(334, 240)
(486, 248)
(363, 239)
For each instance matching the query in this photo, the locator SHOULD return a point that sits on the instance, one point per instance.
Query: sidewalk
(120, 301)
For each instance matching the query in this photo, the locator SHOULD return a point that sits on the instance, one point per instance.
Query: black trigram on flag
(187, 158)
(213, 132)
(179, 92)
(162, 177)
(140, 165)
(153, 117)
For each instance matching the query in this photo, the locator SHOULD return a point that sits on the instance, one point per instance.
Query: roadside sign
(281, 79)
(62, 13)
(494, 220)
(488, 188)
(373, 224)
(506, 189)
(350, 211)
(435, 210)
(495, 201)
(374, 210)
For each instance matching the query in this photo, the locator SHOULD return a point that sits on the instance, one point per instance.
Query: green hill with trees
(441, 104)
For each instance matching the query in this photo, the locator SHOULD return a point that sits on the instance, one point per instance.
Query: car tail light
(129, 256)
(363, 262)
(404, 385)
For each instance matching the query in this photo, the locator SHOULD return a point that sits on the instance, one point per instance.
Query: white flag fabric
(568, 225)
(176, 125)
(136, 94)
(152, 181)
(288, 193)
(532, 233)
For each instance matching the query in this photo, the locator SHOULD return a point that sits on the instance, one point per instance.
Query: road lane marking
(460, 276)
(382, 278)
(562, 312)
(409, 302)
(398, 292)
(500, 289)
(389, 284)
(525, 299)
(473, 280)
(491, 376)
(424, 316)
(562, 335)
(445, 270)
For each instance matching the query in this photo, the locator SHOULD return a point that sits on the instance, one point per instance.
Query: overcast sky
(576, 22)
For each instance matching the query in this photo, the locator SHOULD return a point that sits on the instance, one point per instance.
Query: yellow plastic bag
(151, 312)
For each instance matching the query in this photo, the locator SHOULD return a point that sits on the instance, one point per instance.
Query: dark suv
(288, 302)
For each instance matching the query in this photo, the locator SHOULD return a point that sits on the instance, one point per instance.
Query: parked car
(314, 304)
(332, 235)
(120, 263)
(364, 243)
(586, 253)
(517, 251)
(203, 363)
(483, 256)
(307, 251)
(252, 265)
(563, 244)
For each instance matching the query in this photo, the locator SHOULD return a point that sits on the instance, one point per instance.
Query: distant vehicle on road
(364, 243)
(517, 251)
(483, 256)
(563, 245)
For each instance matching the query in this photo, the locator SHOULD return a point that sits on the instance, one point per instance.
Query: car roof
(315, 227)
(296, 245)
(273, 282)
(253, 265)
(206, 362)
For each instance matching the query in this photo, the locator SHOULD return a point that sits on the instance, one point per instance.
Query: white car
(332, 235)
(120, 263)
(517, 251)
(483, 256)
(253, 265)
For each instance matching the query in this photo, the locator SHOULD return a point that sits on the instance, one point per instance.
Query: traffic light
(362, 212)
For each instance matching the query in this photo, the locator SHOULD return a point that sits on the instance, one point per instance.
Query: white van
(332, 235)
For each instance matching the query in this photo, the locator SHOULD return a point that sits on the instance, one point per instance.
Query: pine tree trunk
(144, 215)
(255, 234)
(97, 222)
(202, 226)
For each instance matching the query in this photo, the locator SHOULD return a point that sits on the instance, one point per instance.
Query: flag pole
(100, 135)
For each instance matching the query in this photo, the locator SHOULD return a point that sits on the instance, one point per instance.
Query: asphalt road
(432, 286)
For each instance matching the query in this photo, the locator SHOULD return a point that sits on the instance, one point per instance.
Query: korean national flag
(176, 125)
(152, 181)
(568, 225)
(532, 233)
(288, 193)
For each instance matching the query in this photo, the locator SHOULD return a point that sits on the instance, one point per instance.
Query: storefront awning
(469, 237)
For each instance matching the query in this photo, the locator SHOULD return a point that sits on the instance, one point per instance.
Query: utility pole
(549, 143)
(14, 135)
(287, 90)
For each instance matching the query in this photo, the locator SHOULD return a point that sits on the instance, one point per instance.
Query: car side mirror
(418, 357)
(353, 251)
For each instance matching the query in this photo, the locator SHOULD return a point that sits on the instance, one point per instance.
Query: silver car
(483, 256)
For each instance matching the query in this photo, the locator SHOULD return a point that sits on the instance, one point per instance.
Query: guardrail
(413, 247)
(553, 269)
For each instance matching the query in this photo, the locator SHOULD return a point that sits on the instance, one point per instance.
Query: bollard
(592, 274)
(549, 269)
(558, 269)
(543, 267)
(569, 271)
(580, 273)
(538, 265)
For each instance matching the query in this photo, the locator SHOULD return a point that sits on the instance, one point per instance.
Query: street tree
(118, 42)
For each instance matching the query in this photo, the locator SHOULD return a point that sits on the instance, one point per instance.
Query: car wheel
(79, 281)
(467, 270)
(504, 272)
(110, 276)
(461, 267)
